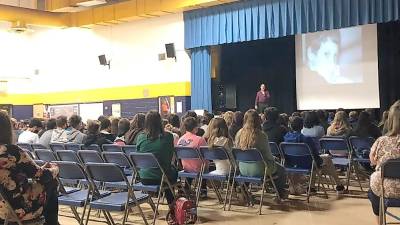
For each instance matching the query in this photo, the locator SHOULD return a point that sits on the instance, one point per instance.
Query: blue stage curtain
(201, 79)
(249, 20)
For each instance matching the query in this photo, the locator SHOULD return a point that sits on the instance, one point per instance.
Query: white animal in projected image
(324, 61)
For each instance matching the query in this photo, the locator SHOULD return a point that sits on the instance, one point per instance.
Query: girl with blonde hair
(340, 125)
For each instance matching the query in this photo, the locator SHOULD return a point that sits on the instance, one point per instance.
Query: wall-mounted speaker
(103, 61)
(170, 49)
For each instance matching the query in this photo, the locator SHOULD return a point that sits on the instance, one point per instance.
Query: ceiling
(87, 13)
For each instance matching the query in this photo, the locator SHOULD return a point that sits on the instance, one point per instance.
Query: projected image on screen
(337, 69)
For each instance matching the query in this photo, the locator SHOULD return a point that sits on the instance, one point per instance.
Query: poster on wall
(39, 111)
(116, 110)
(166, 105)
(63, 110)
(90, 111)
(7, 108)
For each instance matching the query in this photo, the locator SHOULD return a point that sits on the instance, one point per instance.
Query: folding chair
(12, 216)
(38, 146)
(361, 146)
(128, 149)
(57, 146)
(68, 156)
(389, 170)
(149, 161)
(111, 148)
(122, 161)
(251, 156)
(90, 156)
(300, 160)
(70, 173)
(117, 201)
(45, 155)
(217, 153)
(277, 153)
(186, 153)
(91, 147)
(25, 146)
(30, 154)
(341, 153)
(73, 146)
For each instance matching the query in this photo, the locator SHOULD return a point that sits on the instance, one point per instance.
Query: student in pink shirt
(191, 140)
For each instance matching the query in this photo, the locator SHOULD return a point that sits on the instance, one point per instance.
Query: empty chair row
(76, 147)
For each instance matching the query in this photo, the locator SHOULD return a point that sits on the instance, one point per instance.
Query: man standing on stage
(262, 99)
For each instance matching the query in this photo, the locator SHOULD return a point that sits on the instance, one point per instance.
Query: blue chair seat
(147, 188)
(392, 202)
(69, 190)
(341, 161)
(116, 201)
(120, 185)
(254, 180)
(76, 199)
(208, 176)
(187, 174)
(297, 170)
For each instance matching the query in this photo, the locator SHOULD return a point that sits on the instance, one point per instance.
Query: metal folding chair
(73, 146)
(91, 147)
(57, 146)
(389, 170)
(38, 146)
(68, 156)
(128, 149)
(25, 146)
(277, 153)
(341, 153)
(111, 148)
(149, 161)
(251, 156)
(300, 160)
(120, 201)
(122, 161)
(186, 153)
(45, 155)
(359, 146)
(214, 154)
(87, 156)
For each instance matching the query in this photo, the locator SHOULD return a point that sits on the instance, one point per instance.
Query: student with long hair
(365, 128)
(136, 127)
(251, 136)
(385, 148)
(340, 125)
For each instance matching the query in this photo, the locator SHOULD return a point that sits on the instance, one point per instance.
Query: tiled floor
(351, 209)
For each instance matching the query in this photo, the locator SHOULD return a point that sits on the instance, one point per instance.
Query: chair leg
(262, 198)
(309, 187)
(348, 172)
(216, 191)
(226, 194)
(357, 176)
(158, 203)
(198, 189)
(230, 195)
(142, 214)
(88, 216)
(275, 189)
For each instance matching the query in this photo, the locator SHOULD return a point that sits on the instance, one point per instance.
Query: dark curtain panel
(389, 63)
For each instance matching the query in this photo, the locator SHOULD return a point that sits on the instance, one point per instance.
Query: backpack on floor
(183, 211)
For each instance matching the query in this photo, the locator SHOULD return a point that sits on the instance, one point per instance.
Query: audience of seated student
(311, 125)
(219, 137)
(16, 129)
(30, 200)
(74, 134)
(114, 126)
(323, 119)
(45, 139)
(365, 128)
(237, 124)
(271, 127)
(382, 123)
(169, 128)
(30, 135)
(324, 161)
(251, 136)
(136, 127)
(200, 132)
(123, 128)
(105, 132)
(207, 117)
(161, 144)
(59, 134)
(228, 117)
(283, 120)
(372, 115)
(191, 140)
(174, 120)
(353, 118)
(385, 148)
(94, 137)
(339, 126)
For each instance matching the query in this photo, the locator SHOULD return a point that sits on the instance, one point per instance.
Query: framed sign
(63, 110)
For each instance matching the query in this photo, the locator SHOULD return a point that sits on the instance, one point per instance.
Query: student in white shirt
(31, 136)
(311, 127)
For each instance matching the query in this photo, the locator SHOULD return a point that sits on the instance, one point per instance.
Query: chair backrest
(25, 146)
(297, 155)
(390, 169)
(45, 155)
(30, 154)
(87, 156)
(275, 149)
(118, 158)
(71, 170)
(217, 153)
(91, 147)
(249, 155)
(111, 148)
(144, 160)
(337, 146)
(360, 144)
(105, 172)
(128, 149)
(187, 153)
(73, 146)
(39, 162)
(38, 146)
(316, 144)
(68, 156)
(57, 146)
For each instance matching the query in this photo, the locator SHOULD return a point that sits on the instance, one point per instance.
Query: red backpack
(183, 212)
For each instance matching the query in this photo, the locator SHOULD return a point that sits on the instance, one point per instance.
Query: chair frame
(382, 205)
(281, 155)
(36, 151)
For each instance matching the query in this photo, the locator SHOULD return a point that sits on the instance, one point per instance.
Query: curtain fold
(201, 79)
(249, 20)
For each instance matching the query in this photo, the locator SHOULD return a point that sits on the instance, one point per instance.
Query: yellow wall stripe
(99, 95)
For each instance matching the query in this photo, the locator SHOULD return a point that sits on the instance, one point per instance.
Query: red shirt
(195, 142)
(262, 98)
